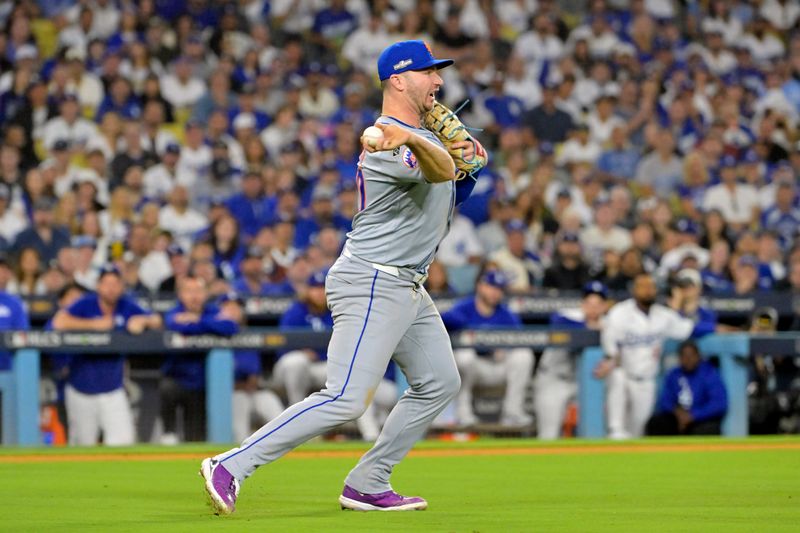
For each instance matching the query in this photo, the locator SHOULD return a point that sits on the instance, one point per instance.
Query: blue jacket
(12, 317)
(464, 315)
(188, 369)
(299, 316)
(701, 393)
(252, 214)
(96, 374)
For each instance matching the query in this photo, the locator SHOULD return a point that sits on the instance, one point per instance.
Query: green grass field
(487, 485)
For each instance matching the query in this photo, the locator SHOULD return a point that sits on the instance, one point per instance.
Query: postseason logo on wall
(24, 339)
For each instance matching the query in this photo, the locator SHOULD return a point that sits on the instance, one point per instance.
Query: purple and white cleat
(383, 501)
(221, 486)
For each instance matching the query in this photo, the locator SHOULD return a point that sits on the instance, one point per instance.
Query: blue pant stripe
(344, 387)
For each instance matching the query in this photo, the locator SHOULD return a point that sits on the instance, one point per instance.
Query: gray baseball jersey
(378, 316)
(402, 218)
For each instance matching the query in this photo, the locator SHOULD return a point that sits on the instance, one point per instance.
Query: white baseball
(372, 135)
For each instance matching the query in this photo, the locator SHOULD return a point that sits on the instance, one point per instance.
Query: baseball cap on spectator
(83, 241)
(564, 193)
(569, 236)
(74, 53)
(353, 88)
(748, 260)
(495, 278)
(750, 157)
(175, 249)
(516, 225)
(60, 145)
(172, 148)
(728, 161)
(595, 287)
(685, 225)
(293, 146)
(689, 276)
(244, 121)
(254, 252)
(45, 203)
(317, 279)
(546, 148)
(26, 51)
(108, 268)
(322, 192)
(69, 97)
(408, 55)
(347, 185)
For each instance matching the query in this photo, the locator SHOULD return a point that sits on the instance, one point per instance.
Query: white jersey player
(633, 338)
(555, 384)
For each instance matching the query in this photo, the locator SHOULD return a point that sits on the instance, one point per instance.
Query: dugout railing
(20, 386)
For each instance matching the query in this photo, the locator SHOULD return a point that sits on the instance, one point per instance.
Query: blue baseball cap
(109, 268)
(317, 279)
(83, 241)
(495, 278)
(408, 55)
(728, 161)
(516, 225)
(595, 287)
(175, 249)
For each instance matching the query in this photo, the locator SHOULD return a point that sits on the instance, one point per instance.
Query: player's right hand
(604, 368)
(393, 137)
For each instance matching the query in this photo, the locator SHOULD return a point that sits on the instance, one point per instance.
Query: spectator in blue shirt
(693, 399)
(506, 110)
(12, 313)
(783, 217)
(485, 310)
(43, 235)
(332, 24)
(121, 100)
(95, 396)
(322, 214)
(619, 161)
(183, 383)
(251, 207)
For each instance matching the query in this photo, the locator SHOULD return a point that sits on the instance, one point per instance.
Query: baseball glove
(449, 129)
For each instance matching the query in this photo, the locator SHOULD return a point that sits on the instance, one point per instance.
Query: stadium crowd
(221, 140)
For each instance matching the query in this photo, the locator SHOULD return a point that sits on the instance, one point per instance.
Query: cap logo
(402, 64)
(428, 47)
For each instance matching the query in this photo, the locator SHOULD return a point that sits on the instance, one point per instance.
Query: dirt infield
(438, 452)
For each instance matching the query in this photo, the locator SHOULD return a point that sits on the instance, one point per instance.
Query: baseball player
(95, 399)
(633, 338)
(183, 375)
(250, 400)
(495, 367)
(407, 182)
(554, 384)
